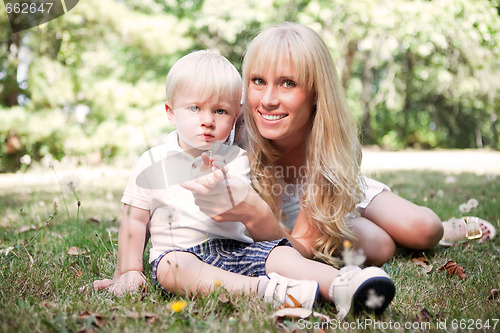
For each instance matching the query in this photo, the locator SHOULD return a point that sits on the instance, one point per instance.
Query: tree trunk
(367, 78)
(11, 89)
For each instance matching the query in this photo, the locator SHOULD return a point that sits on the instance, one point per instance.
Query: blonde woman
(304, 155)
(299, 130)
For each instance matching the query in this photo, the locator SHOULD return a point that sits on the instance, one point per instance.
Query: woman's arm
(305, 234)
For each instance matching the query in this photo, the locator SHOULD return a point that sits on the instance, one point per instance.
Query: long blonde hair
(331, 182)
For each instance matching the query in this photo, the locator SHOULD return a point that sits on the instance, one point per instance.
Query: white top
(176, 221)
(291, 199)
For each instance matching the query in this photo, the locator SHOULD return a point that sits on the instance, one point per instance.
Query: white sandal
(458, 230)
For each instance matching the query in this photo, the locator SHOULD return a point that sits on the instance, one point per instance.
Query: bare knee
(429, 226)
(380, 250)
(171, 268)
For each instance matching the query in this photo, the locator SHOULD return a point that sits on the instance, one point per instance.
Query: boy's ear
(170, 113)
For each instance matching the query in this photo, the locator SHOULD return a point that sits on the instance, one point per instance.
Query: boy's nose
(207, 118)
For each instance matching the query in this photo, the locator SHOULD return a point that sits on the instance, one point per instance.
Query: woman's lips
(273, 117)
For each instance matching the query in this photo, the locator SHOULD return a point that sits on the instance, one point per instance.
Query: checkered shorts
(234, 256)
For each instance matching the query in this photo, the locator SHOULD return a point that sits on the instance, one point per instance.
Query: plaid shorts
(230, 255)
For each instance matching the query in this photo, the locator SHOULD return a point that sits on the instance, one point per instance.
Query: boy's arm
(131, 239)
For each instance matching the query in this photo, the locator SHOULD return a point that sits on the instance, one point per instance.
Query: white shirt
(176, 221)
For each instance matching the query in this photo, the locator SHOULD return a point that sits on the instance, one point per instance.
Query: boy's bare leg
(288, 262)
(184, 273)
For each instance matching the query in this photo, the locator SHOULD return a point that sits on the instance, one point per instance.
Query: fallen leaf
(75, 251)
(148, 316)
(222, 298)
(452, 268)
(494, 293)
(299, 313)
(26, 228)
(94, 219)
(423, 315)
(292, 313)
(423, 262)
(93, 318)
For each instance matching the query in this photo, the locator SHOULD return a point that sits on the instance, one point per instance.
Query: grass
(39, 280)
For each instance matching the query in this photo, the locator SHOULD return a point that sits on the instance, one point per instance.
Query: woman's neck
(292, 161)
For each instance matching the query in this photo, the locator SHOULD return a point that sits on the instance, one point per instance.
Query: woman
(302, 144)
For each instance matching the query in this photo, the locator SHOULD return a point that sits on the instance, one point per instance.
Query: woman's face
(281, 107)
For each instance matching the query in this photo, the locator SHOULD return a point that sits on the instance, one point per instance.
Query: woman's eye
(258, 81)
(289, 84)
(194, 108)
(220, 111)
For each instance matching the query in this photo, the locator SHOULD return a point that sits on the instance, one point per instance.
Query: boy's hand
(131, 281)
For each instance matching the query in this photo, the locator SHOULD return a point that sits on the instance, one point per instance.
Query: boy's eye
(194, 108)
(289, 84)
(220, 111)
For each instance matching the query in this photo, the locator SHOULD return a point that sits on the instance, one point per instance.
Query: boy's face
(201, 122)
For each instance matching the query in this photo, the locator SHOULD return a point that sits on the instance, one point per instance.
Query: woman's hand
(226, 198)
(218, 194)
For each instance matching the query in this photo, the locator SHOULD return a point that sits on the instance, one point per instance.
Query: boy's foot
(288, 292)
(369, 289)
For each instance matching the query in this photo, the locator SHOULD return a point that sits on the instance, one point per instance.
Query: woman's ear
(170, 113)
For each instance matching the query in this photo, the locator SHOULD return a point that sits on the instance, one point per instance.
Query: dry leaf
(494, 293)
(424, 315)
(148, 316)
(94, 219)
(292, 313)
(75, 251)
(222, 298)
(26, 228)
(423, 262)
(96, 319)
(452, 268)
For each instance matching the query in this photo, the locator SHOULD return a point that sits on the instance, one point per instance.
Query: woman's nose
(270, 98)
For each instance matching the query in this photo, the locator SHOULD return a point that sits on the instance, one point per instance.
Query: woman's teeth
(273, 117)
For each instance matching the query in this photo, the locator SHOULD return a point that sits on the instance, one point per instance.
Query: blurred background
(90, 84)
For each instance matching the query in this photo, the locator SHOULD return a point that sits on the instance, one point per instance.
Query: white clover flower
(26, 159)
(70, 183)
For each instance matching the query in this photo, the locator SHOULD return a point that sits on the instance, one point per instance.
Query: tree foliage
(416, 73)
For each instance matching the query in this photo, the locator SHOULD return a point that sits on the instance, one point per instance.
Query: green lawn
(39, 278)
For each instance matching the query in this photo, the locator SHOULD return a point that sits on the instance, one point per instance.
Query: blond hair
(206, 72)
(331, 187)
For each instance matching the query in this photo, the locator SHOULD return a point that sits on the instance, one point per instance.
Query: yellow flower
(347, 244)
(218, 283)
(178, 306)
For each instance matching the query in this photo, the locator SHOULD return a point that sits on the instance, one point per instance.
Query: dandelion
(374, 301)
(26, 159)
(472, 203)
(70, 183)
(352, 256)
(464, 208)
(178, 306)
(218, 283)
